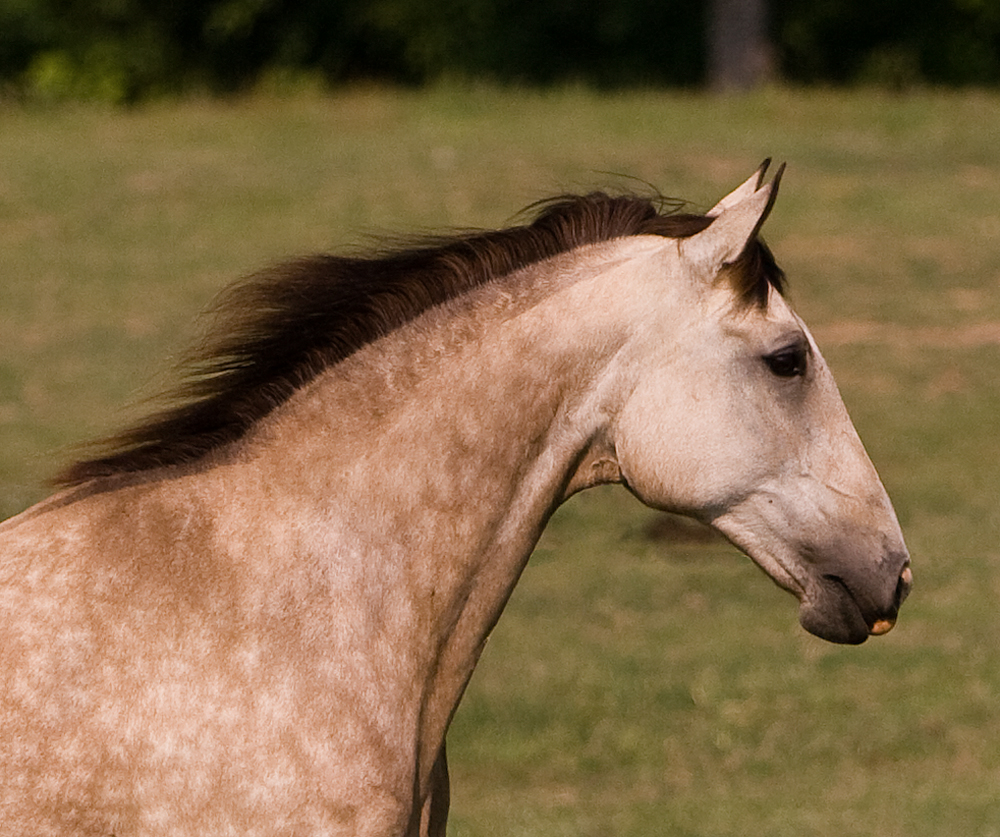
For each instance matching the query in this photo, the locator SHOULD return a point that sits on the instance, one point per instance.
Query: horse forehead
(779, 310)
(776, 315)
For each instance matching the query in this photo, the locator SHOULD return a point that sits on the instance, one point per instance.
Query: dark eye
(788, 363)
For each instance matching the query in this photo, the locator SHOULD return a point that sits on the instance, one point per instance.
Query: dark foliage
(122, 50)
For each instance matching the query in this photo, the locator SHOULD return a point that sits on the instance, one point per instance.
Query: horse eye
(787, 363)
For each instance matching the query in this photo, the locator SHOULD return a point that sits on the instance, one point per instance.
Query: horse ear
(742, 192)
(738, 218)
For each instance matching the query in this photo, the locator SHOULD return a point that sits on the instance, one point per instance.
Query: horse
(256, 612)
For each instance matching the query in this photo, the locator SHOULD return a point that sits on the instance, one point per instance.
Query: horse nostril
(904, 585)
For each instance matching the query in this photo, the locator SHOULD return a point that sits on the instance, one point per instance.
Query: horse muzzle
(845, 610)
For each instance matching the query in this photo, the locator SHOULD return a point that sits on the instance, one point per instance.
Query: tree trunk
(738, 50)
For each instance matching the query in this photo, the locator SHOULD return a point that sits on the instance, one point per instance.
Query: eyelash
(788, 363)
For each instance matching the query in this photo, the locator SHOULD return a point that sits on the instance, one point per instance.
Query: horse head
(759, 444)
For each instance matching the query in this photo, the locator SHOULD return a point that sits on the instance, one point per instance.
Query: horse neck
(471, 417)
(434, 457)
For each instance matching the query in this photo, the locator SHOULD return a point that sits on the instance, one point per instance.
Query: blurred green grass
(635, 684)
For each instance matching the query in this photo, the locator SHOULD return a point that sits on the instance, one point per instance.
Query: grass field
(645, 679)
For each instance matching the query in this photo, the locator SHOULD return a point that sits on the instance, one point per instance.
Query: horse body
(272, 638)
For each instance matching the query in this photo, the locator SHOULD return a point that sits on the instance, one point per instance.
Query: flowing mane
(280, 328)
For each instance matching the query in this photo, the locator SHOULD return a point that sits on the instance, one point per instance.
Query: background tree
(123, 50)
(739, 52)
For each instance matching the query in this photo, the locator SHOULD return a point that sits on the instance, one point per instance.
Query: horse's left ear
(738, 218)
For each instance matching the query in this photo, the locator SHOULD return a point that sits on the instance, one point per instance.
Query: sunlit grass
(635, 685)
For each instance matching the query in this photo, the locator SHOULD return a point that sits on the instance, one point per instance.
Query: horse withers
(255, 613)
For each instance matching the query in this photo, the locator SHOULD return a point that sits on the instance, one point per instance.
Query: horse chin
(833, 614)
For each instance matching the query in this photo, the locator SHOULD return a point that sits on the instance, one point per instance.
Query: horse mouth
(835, 613)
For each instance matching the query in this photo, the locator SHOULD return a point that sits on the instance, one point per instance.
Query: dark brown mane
(282, 327)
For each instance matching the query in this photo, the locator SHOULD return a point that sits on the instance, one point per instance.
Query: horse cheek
(660, 457)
